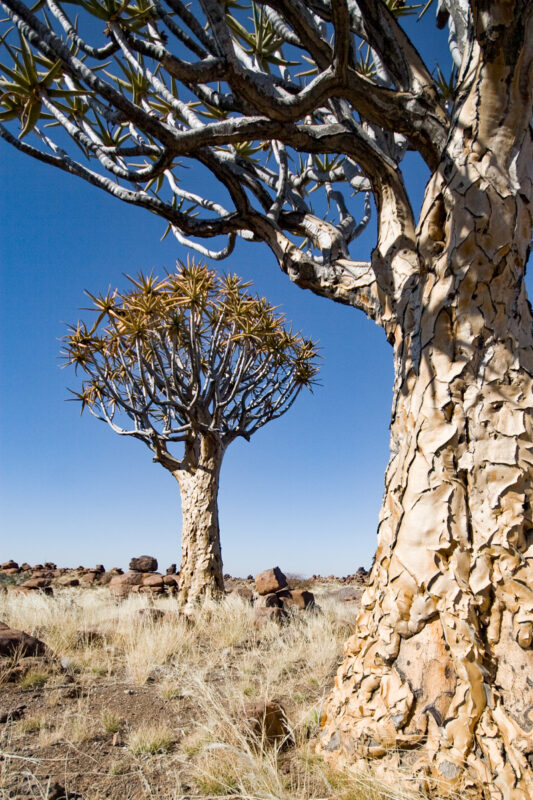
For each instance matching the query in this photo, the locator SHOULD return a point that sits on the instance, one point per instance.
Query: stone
(150, 614)
(36, 584)
(17, 643)
(269, 581)
(10, 716)
(144, 564)
(301, 598)
(89, 578)
(50, 565)
(267, 721)
(270, 601)
(67, 580)
(158, 589)
(99, 568)
(9, 565)
(265, 614)
(127, 579)
(11, 571)
(25, 567)
(243, 591)
(170, 580)
(171, 570)
(152, 580)
(348, 594)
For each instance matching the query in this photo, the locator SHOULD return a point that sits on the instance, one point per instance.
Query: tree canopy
(276, 99)
(191, 353)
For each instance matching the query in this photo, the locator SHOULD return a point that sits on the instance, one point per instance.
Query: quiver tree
(290, 97)
(187, 364)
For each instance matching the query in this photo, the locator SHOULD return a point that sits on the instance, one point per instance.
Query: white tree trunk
(201, 560)
(438, 676)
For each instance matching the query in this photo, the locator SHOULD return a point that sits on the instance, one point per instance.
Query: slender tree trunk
(438, 676)
(201, 560)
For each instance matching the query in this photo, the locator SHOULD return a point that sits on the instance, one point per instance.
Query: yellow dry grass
(202, 673)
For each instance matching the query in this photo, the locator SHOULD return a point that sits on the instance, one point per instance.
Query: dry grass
(183, 689)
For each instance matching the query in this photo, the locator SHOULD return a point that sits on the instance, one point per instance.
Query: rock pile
(276, 598)
(142, 577)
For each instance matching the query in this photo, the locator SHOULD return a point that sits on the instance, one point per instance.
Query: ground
(128, 707)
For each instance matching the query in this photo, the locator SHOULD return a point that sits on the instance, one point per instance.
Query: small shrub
(33, 680)
(111, 723)
(150, 739)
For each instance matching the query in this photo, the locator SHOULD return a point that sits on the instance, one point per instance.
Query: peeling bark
(201, 560)
(437, 676)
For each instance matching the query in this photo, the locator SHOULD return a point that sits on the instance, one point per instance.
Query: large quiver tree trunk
(201, 560)
(438, 675)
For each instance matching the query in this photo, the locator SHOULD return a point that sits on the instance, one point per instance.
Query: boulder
(269, 601)
(171, 570)
(127, 579)
(265, 614)
(144, 564)
(18, 643)
(269, 581)
(11, 571)
(36, 583)
(171, 580)
(99, 568)
(25, 567)
(67, 580)
(50, 565)
(267, 721)
(9, 565)
(301, 598)
(152, 580)
(89, 578)
(245, 592)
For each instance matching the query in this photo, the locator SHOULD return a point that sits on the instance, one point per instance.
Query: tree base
(451, 726)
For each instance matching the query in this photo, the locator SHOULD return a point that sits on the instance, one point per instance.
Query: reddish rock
(18, 643)
(144, 564)
(264, 614)
(127, 579)
(171, 580)
(267, 721)
(9, 565)
(270, 601)
(50, 565)
(160, 589)
(67, 580)
(301, 598)
(89, 578)
(245, 592)
(269, 581)
(36, 583)
(11, 571)
(99, 568)
(171, 570)
(152, 580)
(25, 567)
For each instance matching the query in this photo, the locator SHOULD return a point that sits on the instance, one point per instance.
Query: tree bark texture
(201, 560)
(438, 676)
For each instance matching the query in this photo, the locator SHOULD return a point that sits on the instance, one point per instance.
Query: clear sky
(304, 494)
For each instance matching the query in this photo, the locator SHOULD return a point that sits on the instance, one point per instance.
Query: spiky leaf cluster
(192, 352)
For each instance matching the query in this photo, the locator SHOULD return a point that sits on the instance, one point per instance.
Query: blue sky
(304, 494)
